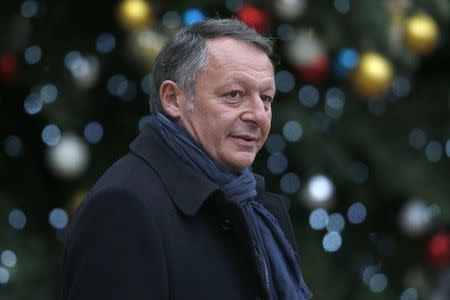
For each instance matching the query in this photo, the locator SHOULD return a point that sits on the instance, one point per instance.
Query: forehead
(229, 57)
(226, 50)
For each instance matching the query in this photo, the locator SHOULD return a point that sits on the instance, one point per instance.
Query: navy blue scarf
(276, 258)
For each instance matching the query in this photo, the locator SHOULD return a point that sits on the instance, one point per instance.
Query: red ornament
(254, 17)
(438, 249)
(316, 71)
(8, 68)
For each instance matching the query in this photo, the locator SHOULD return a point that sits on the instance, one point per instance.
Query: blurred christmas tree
(360, 138)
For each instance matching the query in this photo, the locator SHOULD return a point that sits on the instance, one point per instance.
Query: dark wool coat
(154, 228)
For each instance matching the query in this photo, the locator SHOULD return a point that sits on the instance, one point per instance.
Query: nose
(256, 111)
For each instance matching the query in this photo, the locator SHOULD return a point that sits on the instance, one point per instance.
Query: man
(181, 216)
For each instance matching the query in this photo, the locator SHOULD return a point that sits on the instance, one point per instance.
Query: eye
(235, 94)
(267, 99)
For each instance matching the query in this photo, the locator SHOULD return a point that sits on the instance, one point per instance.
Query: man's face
(232, 103)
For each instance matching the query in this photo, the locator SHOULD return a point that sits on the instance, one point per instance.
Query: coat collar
(185, 185)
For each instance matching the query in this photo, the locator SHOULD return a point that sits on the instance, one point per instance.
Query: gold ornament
(421, 33)
(134, 14)
(372, 76)
(145, 46)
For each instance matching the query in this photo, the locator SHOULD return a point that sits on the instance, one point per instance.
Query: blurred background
(360, 139)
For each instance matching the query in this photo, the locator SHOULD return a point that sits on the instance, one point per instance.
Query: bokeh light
(409, 294)
(51, 135)
(71, 59)
(417, 138)
(17, 219)
(319, 190)
(284, 81)
(277, 163)
(33, 54)
(13, 146)
(290, 183)
(332, 241)
(275, 143)
(334, 102)
(4, 275)
(93, 132)
(356, 213)
(433, 151)
(171, 19)
(318, 219)
(85, 70)
(105, 43)
(378, 283)
(342, 6)
(336, 222)
(292, 131)
(58, 218)
(8, 258)
(308, 96)
(33, 104)
(368, 272)
(117, 85)
(192, 16)
(29, 8)
(130, 92)
(286, 32)
(70, 157)
(346, 61)
(48, 93)
(415, 218)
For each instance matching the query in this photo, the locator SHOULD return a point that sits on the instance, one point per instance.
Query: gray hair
(185, 55)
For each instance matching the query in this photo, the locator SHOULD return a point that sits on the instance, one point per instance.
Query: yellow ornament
(421, 33)
(372, 76)
(145, 46)
(134, 14)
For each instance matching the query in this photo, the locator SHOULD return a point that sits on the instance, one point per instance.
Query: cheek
(214, 132)
(267, 125)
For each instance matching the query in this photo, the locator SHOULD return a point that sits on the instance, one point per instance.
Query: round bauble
(372, 76)
(134, 14)
(421, 33)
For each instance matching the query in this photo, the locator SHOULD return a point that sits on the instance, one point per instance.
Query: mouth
(246, 137)
(246, 140)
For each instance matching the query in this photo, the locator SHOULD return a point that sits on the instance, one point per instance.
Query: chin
(240, 163)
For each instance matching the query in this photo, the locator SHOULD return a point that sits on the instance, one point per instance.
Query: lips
(246, 137)
(246, 142)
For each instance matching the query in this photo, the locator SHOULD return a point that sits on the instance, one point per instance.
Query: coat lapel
(185, 185)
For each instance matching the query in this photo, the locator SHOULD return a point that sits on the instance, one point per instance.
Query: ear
(171, 97)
